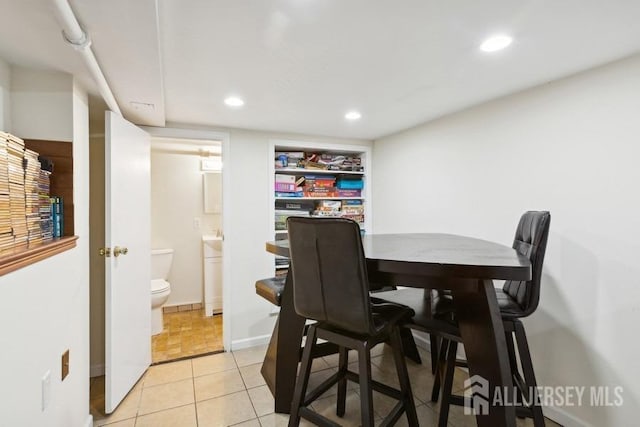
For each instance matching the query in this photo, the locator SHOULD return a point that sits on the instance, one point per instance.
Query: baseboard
(89, 421)
(96, 370)
(563, 418)
(422, 341)
(250, 342)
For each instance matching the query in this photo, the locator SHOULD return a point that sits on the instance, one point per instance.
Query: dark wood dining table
(464, 265)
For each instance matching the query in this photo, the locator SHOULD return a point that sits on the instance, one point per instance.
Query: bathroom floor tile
(186, 333)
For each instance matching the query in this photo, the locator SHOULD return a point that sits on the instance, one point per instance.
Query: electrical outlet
(65, 365)
(46, 389)
(196, 223)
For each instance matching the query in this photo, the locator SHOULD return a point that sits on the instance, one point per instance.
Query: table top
(437, 255)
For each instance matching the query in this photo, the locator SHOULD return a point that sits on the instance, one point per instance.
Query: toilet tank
(161, 263)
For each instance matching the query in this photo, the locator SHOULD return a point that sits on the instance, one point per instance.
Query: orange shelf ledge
(25, 257)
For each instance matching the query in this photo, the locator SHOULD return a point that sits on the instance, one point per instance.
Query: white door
(128, 275)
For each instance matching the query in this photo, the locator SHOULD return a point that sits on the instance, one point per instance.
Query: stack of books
(288, 186)
(328, 208)
(32, 197)
(281, 216)
(319, 186)
(353, 209)
(25, 207)
(348, 186)
(339, 162)
(321, 161)
(289, 159)
(44, 205)
(17, 201)
(6, 236)
(57, 216)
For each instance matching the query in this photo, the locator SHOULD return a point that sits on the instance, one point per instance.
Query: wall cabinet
(212, 247)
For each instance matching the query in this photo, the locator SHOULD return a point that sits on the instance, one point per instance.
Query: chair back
(531, 241)
(329, 273)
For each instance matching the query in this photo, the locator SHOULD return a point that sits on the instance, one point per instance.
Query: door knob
(117, 251)
(105, 252)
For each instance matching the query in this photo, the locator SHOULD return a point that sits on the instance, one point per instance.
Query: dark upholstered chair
(516, 299)
(330, 286)
(271, 289)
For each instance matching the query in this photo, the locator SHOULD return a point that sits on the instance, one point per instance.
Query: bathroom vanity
(212, 250)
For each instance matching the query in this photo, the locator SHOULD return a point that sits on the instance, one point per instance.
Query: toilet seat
(159, 286)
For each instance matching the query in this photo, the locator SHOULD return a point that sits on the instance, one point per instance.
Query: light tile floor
(227, 389)
(187, 334)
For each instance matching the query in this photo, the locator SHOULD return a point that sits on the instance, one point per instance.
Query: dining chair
(516, 300)
(330, 286)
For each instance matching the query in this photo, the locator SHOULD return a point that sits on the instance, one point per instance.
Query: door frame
(224, 138)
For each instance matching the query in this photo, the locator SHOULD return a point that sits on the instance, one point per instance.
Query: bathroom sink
(212, 245)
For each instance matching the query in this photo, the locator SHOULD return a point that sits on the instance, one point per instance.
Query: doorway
(186, 223)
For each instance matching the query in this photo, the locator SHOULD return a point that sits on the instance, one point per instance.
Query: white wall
(41, 104)
(570, 147)
(5, 96)
(177, 199)
(44, 307)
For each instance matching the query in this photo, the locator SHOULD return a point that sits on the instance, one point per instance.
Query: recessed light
(495, 43)
(352, 115)
(234, 101)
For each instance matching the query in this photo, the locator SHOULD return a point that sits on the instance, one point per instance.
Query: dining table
(464, 265)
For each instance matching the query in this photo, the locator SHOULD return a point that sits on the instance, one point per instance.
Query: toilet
(160, 288)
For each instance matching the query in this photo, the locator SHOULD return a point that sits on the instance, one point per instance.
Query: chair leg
(403, 378)
(433, 340)
(447, 385)
(440, 366)
(343, 362)
(409, 344)
(303, 378)
(513, 362)
(366, 391)
(529, 374)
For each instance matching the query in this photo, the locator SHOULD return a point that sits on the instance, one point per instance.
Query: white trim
(563, 418)
(96, 370)
(225, 140)
(250, 342)
(89, 421)
(422, 341)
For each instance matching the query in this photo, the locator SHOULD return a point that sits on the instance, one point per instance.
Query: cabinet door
(213, 285)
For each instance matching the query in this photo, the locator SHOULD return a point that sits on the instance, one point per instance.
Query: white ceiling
(301, 64)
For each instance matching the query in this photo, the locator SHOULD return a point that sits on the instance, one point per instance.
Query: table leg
(280, 365)
(486, 348)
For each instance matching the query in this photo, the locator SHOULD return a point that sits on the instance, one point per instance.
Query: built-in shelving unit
(60, 184)
(328, 180)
